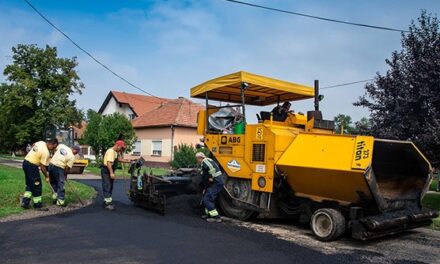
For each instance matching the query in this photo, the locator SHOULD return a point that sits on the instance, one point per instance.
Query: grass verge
(433, 186)
(12, 187)
(119, 172)
(432, 200)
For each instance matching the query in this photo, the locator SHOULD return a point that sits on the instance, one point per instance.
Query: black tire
(233, 211)
(327, 224)
(240, 189)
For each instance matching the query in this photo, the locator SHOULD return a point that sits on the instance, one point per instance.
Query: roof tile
(178, 112)
(140, 104)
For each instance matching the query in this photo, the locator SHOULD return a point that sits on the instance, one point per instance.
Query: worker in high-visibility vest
(36, 159)
(59, 166)
(212, 184)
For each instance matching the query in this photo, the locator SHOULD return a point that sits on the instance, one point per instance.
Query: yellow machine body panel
(201, 122)
(234, 153)
(328, 167)
(253, 154)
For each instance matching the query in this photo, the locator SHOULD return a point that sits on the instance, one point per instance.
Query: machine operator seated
(280, 113)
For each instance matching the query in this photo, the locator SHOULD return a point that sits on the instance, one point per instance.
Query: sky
(167, 47)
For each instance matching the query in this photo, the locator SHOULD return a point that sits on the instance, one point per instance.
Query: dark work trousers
(438, 182)
(107, 185)
(33, 180)
(57, 178)
(212, 192)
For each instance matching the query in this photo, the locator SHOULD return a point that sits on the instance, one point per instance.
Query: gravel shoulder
(52, 210)
(420, 245)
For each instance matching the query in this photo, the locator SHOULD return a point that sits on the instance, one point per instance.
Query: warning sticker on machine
(259, 133)
(260, 168)
(233, 166)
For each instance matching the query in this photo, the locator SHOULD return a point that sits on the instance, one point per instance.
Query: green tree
(36, 94)
(102, 131)
(405, 102)
(362, 127)
(90, 136)
(185, 156)
(344, 122)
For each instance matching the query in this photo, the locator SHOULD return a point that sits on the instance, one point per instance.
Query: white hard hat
(200, 155)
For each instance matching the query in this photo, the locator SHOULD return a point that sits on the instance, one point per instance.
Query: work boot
(215, 219)
(54, 198)
(26, 203)
(39, 207)
(60, 203)
(109, 207)
(204, 216)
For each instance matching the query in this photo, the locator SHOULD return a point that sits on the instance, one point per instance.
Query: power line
(345, 84)
(316, 17)
(86, 52)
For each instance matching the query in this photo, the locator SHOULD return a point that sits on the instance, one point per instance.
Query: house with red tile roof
(131, 105)
(160, 124)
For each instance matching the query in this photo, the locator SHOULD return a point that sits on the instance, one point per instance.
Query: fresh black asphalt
(135, 235)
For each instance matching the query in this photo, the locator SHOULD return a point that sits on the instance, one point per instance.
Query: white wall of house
(147, 147)
(147, 137)
(115, 107)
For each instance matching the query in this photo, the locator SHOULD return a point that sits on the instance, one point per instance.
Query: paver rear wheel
(327, 224)
(241, 190)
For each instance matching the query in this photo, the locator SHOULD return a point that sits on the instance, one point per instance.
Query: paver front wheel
(327, 224)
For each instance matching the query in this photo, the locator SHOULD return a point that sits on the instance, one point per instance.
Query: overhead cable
(88, 53)
(345, 84)
(316, 17)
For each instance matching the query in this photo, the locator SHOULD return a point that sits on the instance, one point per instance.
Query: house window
(157, 148)
(85, 150)
(131, 116)
(137, 148)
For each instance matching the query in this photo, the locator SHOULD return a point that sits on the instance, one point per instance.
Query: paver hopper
(377, 183)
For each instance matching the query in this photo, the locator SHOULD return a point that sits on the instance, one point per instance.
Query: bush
(185, 156)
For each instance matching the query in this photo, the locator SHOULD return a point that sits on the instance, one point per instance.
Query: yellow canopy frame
(260, 90)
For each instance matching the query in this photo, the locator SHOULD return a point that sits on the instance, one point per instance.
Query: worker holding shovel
(59, 166)
(36, 159)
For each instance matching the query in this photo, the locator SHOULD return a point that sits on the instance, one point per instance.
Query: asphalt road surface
(135, 235)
